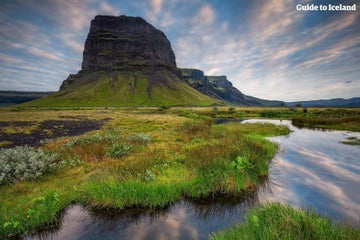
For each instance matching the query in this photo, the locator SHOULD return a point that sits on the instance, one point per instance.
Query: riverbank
(137, 159)
(275, 221)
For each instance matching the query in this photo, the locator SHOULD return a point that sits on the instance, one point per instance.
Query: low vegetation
(325, 118)
(275, 221)
(25, 163)
(138, 159)
(339, 123)
(141, 157)
(351, 141)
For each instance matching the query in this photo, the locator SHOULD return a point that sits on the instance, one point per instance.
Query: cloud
(9, 60)
(205, 16)
(72, 40)
(13, 31)
(71, 14)
(153, 10)
(107, 9)
(44, 54)
(156, 6)
(272, 18)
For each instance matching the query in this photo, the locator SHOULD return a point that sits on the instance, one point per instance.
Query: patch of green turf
(276, 221)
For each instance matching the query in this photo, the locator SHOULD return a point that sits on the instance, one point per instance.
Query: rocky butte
(128, 62)
(125, 43)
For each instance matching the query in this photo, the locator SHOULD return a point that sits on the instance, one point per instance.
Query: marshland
(156, 160)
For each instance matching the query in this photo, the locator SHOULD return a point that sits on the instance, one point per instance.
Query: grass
(330, 118)
(275, 221)
(140, 158)
(351, 141)
(143, 157)
(125, 89)
(325, 118)
(339, 123)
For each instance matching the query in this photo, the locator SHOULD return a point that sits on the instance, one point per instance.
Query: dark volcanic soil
(48, 130)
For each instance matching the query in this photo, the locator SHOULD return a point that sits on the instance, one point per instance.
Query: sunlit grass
(275, 221)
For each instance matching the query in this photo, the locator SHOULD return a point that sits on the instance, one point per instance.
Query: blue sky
(266, 48)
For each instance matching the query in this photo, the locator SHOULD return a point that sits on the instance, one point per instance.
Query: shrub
(139, 138)
(109, 136)
(231, 110)
(270, 114)
(25, 163)
(149, 175)
(242, 164)
(118, 150)
(163, 108)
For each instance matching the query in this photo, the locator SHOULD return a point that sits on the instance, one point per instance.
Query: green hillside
(117, 89)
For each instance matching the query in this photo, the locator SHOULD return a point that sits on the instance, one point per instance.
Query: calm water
(312, 169)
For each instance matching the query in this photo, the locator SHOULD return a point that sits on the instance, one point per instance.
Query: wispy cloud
(106, 9)
(9, 60)
(205, 16)
(73, 14)
(153, 10)
(44, 54)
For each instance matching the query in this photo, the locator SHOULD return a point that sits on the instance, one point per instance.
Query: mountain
(335, 102)
(8, 98)
(126, 62)
(219, 87)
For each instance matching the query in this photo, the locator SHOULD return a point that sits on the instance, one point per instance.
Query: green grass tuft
(276, 221)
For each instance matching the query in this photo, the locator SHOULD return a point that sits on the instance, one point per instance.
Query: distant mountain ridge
(9, 98)
(219, 87)
(335, 102)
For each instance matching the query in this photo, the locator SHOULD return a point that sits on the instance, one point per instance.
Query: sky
(266, 48)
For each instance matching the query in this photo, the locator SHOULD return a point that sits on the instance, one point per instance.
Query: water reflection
(311, 169)
(187, 219)
(315, 170)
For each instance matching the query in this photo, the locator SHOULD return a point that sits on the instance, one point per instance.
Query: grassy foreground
(139, 158)
(275, 221)
(152, 157)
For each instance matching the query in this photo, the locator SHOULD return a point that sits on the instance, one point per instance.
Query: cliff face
(126, 43)
(214, 86)
(219, 87)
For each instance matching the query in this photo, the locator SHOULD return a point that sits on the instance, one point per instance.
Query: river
(311, 169)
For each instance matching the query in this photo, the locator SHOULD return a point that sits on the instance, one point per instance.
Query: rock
(220, 82)
(126, 44)
(214, 86)
(219, 87)
(190, 74)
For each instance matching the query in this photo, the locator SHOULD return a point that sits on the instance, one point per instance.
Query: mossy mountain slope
(118, 88)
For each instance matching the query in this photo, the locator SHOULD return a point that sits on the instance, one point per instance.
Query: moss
(105, 52)
(107, 91)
